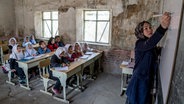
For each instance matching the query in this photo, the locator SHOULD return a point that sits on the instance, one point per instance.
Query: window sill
(42, 38)
(98, 44)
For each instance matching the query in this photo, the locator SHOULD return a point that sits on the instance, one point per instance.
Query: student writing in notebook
(58, 60)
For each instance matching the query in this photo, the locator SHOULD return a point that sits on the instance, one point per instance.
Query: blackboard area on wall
(169, 45)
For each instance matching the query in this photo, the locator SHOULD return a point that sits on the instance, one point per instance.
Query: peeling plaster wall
(125, 16)
(7, 17)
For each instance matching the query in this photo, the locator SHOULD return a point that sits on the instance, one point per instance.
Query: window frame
(97, 21)
(51, 19)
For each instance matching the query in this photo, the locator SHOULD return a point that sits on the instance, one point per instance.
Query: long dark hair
(50, 40)
(139, 30)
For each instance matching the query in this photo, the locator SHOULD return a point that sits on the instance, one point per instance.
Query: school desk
(3, 47)
(125, 71)
(25, 64)
(75, 68)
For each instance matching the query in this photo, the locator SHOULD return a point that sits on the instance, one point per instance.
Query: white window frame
(110, 27)
(51, 19)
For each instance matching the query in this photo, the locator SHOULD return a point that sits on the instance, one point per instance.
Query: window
(96, 26)
(50, 24)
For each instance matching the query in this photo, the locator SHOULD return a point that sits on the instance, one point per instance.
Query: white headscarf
(59, 50)
(24, 44)
(67, 47)
(29, 52)
(86, 48)
(15, 54)
(10, 41)
(79, 46)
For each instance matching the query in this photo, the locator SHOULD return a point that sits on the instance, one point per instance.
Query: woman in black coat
(138, 90)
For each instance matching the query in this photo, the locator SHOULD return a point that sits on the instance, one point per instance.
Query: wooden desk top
(39, 58)
(79, 62)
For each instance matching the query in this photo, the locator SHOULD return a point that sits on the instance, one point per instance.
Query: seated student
(43, 48)
(58, 60)
(32, 39)
(59, 42)
(14, 56)
(69, 53)
(51, 44)
(77, 50)
(30, 51)
(26, 41)
(12, 43)
(86, 48)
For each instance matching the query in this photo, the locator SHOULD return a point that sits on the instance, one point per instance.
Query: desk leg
(25, 69)
(122, 82)
(92, 69)
(62, 77)
(79, 81)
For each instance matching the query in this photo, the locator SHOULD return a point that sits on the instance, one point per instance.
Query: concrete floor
(104, 90)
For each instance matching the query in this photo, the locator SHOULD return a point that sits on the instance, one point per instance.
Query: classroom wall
(176, 95)
(7, 18)
(126, 14)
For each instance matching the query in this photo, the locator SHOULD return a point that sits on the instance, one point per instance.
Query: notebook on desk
(84, 56)
(61, 68)
(88, 53)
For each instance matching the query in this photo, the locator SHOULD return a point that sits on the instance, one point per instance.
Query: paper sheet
(61, 68)
(27, 58)
(88, 53)
(84, 56)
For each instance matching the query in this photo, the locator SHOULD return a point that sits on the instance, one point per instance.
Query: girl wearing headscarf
(26, 41)
(58, 60)
(14, 56)
(139, 88)
(51, 44)
(32, 39)
(12, 43)
(69, 53)
(77, 50)
(86, 48)
(30, 51)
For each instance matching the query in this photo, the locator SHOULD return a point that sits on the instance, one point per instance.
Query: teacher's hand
(165, 20)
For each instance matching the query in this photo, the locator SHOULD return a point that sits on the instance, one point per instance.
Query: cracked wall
(7, 18)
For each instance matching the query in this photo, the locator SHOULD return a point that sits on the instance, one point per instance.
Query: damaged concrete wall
(125, 16)
(7, 18)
